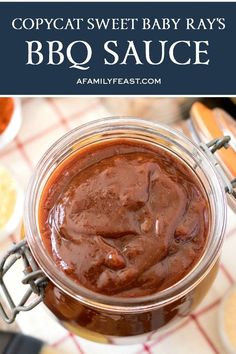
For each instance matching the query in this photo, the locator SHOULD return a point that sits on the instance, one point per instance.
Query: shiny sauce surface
(124, 218)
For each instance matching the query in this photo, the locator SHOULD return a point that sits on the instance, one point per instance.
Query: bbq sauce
(124, 218)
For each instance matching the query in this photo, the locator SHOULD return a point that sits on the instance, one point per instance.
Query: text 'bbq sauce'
(124, 218)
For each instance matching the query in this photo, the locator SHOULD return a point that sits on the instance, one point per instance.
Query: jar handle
(210, 148)
(33, 276)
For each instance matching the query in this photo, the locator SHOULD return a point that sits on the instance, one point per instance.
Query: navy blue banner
(118, 48)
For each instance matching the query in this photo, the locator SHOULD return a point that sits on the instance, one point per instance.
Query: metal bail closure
(33, 277)
(210, 149)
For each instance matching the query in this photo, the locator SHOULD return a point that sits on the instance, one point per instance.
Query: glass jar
(165, 110)
(207, 124)
(103, 318)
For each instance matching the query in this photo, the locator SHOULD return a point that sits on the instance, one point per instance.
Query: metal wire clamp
(33, 276)
(209, 149)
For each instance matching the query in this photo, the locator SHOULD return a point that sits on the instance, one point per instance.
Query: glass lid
(213, 124)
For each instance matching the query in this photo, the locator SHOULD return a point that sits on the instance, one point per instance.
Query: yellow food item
(49, 350)
(230, 318)
(7, 196)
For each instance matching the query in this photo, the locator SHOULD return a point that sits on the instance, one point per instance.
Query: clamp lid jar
(101, 317)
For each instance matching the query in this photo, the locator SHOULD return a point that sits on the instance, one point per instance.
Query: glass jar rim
(84, 295)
